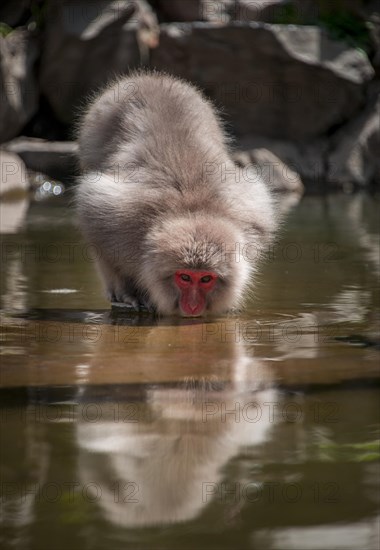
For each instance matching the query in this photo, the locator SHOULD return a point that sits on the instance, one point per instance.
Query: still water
(252, 431)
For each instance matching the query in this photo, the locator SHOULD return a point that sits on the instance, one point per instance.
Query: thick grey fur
(159, 193)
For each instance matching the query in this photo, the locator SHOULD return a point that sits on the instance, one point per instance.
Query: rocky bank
(297, 86)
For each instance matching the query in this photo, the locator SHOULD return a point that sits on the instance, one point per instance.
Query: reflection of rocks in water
(25, 457)
(14, 186)
(368, 238)
(351, 305)
(301, 336)
(329, 274)
(154, 459)
(14, 297)
(344, 537)
(295, 338)
(331, 245)
(12, 215)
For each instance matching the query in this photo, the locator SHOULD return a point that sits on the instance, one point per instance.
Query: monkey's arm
(121, 290)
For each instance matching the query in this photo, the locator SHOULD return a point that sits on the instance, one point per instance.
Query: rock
(57, 159)
(87, 44)
(14, 13)
(341, 11)
(45, 125)
(284, 82)
(355, 158)
(308, 159)
(372, 147)
(375, 40)
(18, 87)
(194, 10)
(262, 162)
(311, 12)
(14, 178)
(270, 11)
(359, 8)
(223, 11)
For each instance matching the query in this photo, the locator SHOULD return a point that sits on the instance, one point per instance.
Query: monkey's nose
(196, 309)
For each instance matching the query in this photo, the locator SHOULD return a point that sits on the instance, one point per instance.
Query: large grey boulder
(375, 40)
(89, 43)
(304, 11)
(355, 156)
(285, 82)
(18, 87)
(273, 11)
(13, 12)
(262, 163)
(195, 10)
(306, 159)
(57, 159)
(223, 11)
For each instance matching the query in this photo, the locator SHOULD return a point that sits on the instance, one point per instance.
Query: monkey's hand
(122, 297)
(119, 288)
(121, 291)
(145, 304)
(135, 305)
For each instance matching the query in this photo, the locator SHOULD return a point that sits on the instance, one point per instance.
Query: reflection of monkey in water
(163, 202)
(154, 459)
(167, 466)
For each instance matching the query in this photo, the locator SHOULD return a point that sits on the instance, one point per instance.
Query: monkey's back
(144, 144)
(155, 126)
(159, 191)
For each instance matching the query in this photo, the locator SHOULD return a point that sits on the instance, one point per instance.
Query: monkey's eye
(183, 279)
(206, 279)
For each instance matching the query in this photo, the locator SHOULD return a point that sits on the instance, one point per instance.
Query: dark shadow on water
(115, 316)
(13, 397)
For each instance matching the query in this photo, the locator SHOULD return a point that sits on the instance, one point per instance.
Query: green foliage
(351, 452)
(339, 23)
(38, 9)
(288, 15)
(75, 510)
(343, 25)
(5, 29)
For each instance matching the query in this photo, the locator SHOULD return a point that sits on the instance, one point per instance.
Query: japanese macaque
(176, 224)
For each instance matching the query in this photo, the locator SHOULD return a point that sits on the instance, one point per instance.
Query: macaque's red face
(194, 287)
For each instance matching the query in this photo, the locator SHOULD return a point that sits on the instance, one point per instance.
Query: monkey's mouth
(199, 310)
(196, 313)
(192, 315)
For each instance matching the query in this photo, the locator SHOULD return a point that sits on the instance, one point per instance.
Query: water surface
(259, 430)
